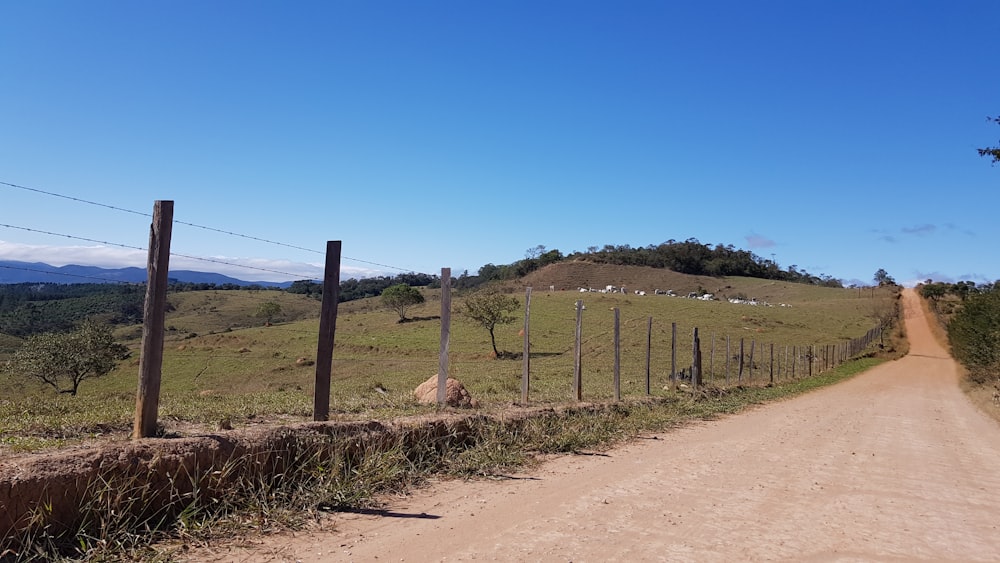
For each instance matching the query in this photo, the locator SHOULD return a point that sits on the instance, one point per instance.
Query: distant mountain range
(37, 272)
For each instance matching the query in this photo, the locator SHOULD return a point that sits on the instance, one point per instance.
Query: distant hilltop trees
(686, 257)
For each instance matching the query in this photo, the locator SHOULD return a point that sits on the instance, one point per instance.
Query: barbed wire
(74, 237)
(177, 254)
(108, 280)
(204, 227)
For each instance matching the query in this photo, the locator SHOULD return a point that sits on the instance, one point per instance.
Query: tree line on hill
(686, 257)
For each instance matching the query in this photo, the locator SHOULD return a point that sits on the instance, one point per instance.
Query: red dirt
(894, 464)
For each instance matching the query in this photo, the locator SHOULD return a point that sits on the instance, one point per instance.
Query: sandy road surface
(893, 465)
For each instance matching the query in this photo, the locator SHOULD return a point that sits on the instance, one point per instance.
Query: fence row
(754, 360)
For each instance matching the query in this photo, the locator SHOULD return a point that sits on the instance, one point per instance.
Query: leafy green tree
(933, 291)
(883, 278)
(489, 308)
(974, 335)
(64, 360)
(400, 298)
(268, 310)
(991, 152)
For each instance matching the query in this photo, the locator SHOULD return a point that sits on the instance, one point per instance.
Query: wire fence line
(581, 373)
(209, 228)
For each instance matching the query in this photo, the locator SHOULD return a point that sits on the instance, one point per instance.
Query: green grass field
(222, 365)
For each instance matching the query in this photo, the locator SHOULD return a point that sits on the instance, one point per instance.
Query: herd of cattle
(690, 295)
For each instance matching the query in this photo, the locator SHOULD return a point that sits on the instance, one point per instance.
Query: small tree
(489, 308)
(268, 311)
(883, 278)
(401, 297)
(64, 360)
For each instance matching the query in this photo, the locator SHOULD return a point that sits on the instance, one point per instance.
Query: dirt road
(893, 465)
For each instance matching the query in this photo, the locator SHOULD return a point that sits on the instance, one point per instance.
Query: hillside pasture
(222, 368)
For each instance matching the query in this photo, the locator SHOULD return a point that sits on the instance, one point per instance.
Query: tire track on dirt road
(894, 464)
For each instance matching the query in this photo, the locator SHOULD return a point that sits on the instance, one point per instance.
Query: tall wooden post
(147, 400)
(649, 349)
(673, 355)
(526, 364)
(578, 356)
(772, 362)
(327, 331)
(445, 335)
(739, 374)
(696, 361)
(618, 357)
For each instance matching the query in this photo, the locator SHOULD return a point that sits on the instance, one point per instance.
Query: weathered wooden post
(147, 400)
(327, 331)
(772, 362)
(649, 349)
(526, 364)
(739, 376)
(673, 355)
(618, 358)
(445, 335)
(696, 363)
(578, 356)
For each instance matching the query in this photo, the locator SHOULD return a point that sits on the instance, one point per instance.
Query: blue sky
(838, 137)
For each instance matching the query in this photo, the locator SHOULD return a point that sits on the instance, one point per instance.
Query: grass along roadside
(323, 473)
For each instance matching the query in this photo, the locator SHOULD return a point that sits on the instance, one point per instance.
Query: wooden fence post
(739, 377)
(772, 362)
(445, 335)
(696, 361)
(673, 355)
(649, 349)
(578, 356)
(147, 400)
(618, 358)
(327, 331)
(753, 344)
(526, 364)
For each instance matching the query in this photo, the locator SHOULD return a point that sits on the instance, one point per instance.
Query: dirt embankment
(894, 464)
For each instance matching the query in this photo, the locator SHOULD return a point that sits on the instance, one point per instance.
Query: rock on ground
(454, 392)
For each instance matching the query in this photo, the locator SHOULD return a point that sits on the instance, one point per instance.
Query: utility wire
(213, 229)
